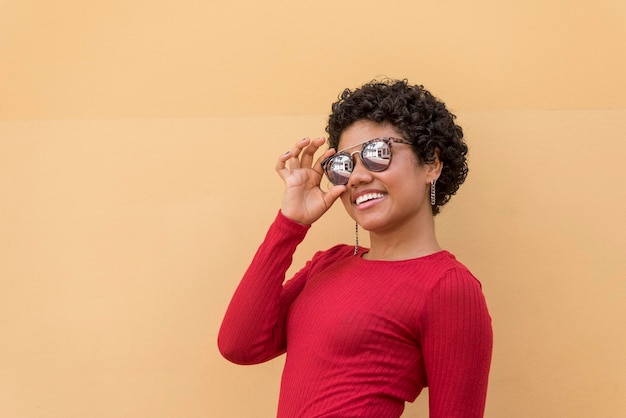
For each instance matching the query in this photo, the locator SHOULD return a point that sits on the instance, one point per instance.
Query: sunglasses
(375, 155)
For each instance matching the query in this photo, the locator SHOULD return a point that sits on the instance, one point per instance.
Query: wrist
(294, 219)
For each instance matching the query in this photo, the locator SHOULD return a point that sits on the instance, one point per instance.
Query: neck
(412, 241)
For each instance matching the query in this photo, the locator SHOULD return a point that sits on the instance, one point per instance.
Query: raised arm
(253, 329)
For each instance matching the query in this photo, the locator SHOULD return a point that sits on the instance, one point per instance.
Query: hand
(304, 201)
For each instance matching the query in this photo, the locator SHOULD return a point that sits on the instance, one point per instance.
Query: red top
(362, 337)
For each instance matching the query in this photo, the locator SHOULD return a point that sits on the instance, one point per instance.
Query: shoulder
(455, 289)
(452, 286)
(433, 270)
(452, 271)
(323, 259)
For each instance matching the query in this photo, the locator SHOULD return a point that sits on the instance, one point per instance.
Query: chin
(371, 225)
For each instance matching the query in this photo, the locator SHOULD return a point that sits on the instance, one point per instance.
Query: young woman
(366, 329)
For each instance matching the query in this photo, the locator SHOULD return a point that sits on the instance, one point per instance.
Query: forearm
(253, 327)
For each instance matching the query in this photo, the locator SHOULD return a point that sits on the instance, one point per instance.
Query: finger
(289, 160)
(294, 160)
(281, 164)
(310, 150)
(333, 194)
(299, 146)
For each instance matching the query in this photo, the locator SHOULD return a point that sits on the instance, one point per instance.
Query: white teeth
(366, 197)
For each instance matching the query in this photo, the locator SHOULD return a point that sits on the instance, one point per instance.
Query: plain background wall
(137, 146)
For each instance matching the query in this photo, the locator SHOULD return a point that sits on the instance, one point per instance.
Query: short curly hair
(414, 112)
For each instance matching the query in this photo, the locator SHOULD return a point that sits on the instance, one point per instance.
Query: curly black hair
(417, 114)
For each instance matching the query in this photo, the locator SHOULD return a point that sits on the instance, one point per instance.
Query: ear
(433, 168)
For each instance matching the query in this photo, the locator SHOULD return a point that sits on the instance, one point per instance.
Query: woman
(366, 329)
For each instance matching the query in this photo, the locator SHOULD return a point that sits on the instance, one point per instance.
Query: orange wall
(137, 146)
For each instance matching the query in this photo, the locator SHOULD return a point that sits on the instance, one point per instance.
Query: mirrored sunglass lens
(339, 169)
(376, 156)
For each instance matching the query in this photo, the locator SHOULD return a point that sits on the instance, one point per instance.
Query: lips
(366, 197)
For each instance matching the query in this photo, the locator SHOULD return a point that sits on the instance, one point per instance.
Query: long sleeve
(457, 346)
(253, 328)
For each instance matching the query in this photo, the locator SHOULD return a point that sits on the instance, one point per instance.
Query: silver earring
(356, 238)
(433, 198)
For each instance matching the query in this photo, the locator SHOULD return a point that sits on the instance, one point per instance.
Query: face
(394, 198)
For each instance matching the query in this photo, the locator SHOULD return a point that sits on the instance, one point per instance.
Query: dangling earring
(356, 238)
(433, 198)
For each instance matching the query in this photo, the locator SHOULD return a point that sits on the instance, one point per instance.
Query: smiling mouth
(367, 197)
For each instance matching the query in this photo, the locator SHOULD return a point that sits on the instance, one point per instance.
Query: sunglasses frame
(388, 140)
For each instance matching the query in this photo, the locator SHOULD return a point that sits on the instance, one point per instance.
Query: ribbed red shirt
(362, 337)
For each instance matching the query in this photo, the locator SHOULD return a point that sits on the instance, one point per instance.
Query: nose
(360, 174)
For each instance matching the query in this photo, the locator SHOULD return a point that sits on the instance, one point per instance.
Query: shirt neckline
(427, 257)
